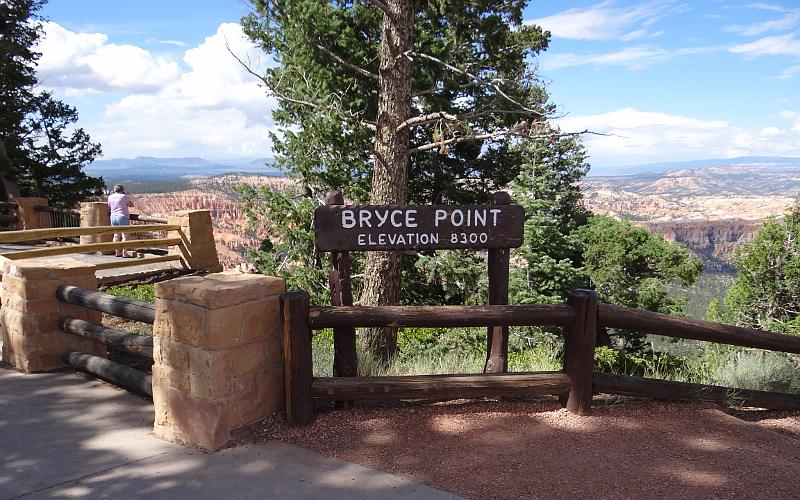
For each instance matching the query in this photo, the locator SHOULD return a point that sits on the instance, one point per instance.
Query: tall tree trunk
(390, 173)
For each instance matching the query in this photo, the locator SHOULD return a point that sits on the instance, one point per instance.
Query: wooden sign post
(345, 360)
(497, 336)
(340, 228)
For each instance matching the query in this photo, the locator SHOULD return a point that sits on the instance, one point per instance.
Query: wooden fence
(113, 339)
(55, 217)
(580, 317)
(68, 232)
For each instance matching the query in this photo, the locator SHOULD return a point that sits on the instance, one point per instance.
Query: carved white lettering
(364, 217)
(411, 220)
(439, 215)
(395, 222)
(494, 213)
(457, 218)
(480, 217)
(381, 220)
(348, 219)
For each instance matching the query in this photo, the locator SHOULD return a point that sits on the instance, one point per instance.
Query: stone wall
(96, 213)
(29, 318)
(198, 249)
(218, 359)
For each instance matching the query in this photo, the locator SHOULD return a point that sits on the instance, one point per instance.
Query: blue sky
(664, 80)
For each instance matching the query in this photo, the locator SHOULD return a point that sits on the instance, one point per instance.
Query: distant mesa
(149, 167)
(777, 162)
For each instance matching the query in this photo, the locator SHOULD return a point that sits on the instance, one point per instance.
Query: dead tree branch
(336, 57)
(493, 84)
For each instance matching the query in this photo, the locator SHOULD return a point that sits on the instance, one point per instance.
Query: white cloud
(779, 45)
(87, 62)
(790, 19)
(631, 136)
(789, 72)
(213, 108)
(775, 46)
(632, 57)
(605, 21)
(177, 43)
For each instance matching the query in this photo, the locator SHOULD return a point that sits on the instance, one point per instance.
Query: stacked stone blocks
(198, 249)
(29, 318)
(218, 356)
(95, 214)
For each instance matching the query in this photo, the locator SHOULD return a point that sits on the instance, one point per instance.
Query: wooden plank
(12, 205)
(667, 390)
(66, 232)
(8, 218)
(148, 218)
(695, 329)
(345, 358)
(123, 376)
(417, 227)
(440, 316)
(92, 247)
(117, 340)
(123, 307)
(579, 351)
(442, 387)
(135, 262)
(297, 366)
(497, 336)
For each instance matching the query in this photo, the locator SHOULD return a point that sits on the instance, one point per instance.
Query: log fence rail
(580, 318)
(157, 233)
(115, 340)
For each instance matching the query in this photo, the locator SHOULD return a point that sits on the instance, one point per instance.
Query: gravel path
(537, 450)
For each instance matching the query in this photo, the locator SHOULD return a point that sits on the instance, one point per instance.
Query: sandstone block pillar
(198, 250)
(29, 218)
(218, 356)
(30, 313)
(96, 213)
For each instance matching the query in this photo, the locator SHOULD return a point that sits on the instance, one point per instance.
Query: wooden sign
(417, 227)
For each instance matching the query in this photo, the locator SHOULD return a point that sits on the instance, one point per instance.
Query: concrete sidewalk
(62, 435)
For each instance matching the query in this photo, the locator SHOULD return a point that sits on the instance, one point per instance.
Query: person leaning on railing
(119, 203)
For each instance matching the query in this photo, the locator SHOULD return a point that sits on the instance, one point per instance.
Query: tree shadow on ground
(537, 450)
(63, 435)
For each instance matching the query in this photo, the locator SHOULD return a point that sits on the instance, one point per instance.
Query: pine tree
(407, 101)
(766, 292)
(550, 263)
(41, 152)
(630, 266)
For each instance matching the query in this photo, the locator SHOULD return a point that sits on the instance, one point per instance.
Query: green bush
(139, 292)
(648, 363)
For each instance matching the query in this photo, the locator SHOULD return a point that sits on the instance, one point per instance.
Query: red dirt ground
(489, 449)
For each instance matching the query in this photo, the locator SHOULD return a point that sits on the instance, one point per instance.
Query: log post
(497, 336)
(298, 370)
(579, 351)
(345, 359)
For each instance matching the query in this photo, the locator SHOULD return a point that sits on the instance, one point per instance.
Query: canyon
(712, 210)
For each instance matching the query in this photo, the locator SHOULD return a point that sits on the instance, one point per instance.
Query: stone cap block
(41, 267)
(190, 213)
(218, 290)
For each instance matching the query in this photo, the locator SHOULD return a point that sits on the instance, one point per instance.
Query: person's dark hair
(118, 188)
